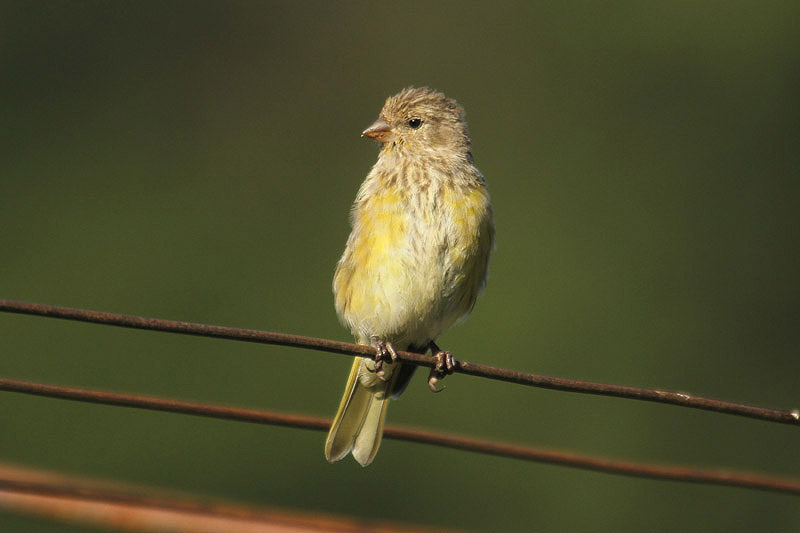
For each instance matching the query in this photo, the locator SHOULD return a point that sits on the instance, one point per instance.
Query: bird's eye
(414, 123)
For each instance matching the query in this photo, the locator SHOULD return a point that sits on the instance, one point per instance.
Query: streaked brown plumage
(416, 258)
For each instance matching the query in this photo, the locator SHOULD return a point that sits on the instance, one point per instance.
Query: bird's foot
(445, 364)
(384, 352)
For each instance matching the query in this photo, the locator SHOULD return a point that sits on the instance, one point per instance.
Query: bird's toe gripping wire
(384, 352)
(445, 364)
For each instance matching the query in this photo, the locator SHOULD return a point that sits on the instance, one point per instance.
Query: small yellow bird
(415, 260)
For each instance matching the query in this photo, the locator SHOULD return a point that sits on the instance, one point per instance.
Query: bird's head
(420, 120)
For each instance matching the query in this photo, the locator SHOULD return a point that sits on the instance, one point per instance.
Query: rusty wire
(791, 417)
(115, 505)
(528, 453)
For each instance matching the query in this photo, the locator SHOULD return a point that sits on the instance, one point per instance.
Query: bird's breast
(408, 270)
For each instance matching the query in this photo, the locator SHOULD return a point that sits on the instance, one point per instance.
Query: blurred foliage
(196, 161)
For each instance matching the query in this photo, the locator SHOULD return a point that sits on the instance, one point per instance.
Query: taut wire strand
(791, 417)
(528, 453)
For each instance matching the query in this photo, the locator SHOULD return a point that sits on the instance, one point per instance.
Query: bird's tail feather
(358, 425)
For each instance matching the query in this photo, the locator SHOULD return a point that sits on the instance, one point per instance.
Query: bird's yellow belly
(408, 274)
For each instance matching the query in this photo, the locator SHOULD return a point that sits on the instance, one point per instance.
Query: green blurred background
(196, 161)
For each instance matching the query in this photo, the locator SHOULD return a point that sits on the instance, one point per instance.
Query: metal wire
(791, 417)
(527, 453)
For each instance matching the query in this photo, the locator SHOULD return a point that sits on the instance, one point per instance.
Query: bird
(416, 258)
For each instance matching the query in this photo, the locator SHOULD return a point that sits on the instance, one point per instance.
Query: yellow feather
(416, 258)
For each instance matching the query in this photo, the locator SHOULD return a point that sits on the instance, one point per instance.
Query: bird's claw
(445, 364)
(384, 352)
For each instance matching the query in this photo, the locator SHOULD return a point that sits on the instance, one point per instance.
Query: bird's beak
(378, 130)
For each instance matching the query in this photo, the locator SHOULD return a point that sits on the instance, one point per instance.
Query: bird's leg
(445, 364)
(384, 351)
